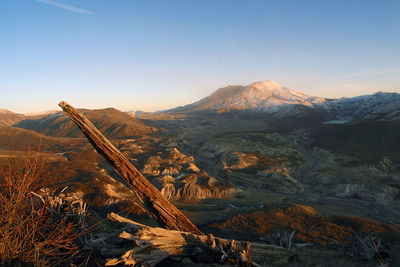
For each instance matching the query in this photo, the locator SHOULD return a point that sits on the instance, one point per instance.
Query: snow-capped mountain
(282, 102)
(262, 96)
(381, 105)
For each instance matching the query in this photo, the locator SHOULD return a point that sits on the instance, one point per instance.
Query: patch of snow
(282, 102)
(263, 96)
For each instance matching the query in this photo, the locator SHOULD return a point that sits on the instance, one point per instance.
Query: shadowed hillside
(111, 122)
(20, 139)
(369, 140)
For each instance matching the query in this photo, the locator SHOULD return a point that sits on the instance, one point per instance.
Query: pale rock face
(178, 178)
(193, 191)
(243, 161)
(166, 179)
(278, 173)
(193, 168)
(152, 166)
(172, 170)
(175, 156)
(196, 186)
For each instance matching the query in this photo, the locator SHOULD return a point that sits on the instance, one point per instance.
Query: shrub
(29, 233)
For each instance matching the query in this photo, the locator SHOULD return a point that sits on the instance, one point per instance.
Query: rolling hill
(111, 122)
(19, 139)
(8, 118)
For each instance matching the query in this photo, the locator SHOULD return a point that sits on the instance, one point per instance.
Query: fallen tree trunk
(162, 210)
(135, 243)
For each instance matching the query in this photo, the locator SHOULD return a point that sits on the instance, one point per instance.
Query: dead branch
(163, 211)
(147, 246)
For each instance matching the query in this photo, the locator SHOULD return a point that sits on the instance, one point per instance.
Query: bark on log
(147, 246)
(163, 211)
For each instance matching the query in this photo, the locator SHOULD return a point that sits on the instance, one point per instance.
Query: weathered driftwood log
(143, 245)
(163, 211)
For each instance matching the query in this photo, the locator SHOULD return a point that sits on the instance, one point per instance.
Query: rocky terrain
(77, 164)
(234, 159)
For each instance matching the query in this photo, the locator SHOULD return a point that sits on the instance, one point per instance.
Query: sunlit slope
(275, 100)
(8, 118)
(111, 122)
(261, 96)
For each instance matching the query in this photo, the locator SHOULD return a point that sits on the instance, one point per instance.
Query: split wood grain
(166, 214)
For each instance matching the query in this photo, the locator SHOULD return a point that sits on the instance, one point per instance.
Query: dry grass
(29, 232)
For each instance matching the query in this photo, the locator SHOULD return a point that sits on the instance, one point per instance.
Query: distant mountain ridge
(111, 122)
(281, 102)
(381, 105)
(262, 96)
(8, 117)
(41, 113)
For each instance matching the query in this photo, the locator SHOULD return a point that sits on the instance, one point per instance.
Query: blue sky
(151, 55)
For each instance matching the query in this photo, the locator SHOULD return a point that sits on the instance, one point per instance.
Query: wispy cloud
(66, 7)
(281, 26)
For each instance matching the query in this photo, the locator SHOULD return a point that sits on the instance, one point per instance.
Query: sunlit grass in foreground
(29, 231)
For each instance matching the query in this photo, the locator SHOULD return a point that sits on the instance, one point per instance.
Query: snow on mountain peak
(280, 101)
(271, 89)
(269, 84)
(261, 95)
